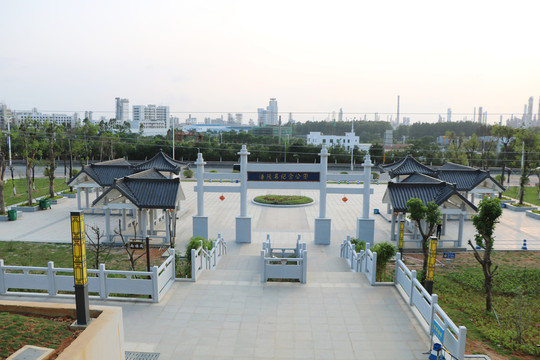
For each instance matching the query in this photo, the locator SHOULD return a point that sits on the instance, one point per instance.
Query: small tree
(96, 246)
(29, 130)
(429, 214)
(130, 252)
(489, 211)
(385, 251)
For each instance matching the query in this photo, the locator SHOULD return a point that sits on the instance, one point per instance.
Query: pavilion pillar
(393, 227)
(123, 219)
(460, 231)
(167, 227)
(444, 219)
(151, 220)
(79, 198)
(87, 195)
(108, 224)
(144, 217)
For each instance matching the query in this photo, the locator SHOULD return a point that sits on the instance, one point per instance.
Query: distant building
(480, 115)
(388, 137)
(268, 116)
(340, 116)
(272, 131)
(449, 115)
(191, 120)
(122, 109)
(5, 116)
(406, 121)
(88, 115)
(350, 140)
(34, 115)
(151, 116)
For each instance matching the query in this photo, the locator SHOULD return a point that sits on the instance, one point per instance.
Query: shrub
(385, 251)
(375, 176)
(188, 173)
(358, 245)
(236, 171)
(213, 171)
(344, 173)
(498, 178)
(74, 172)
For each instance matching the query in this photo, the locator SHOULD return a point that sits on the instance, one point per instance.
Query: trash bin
(44, 204)
(12, 215)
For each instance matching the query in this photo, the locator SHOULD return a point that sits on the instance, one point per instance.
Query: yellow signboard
(79, 247)
(401, 231)
(431, 259)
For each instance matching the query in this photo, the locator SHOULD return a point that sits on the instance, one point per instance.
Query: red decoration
(222, 197)
(344, 199)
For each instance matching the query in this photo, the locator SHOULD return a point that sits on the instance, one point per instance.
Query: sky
(314, 57)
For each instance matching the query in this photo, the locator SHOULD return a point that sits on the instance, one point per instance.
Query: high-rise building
(88, 115)
(152, 116)
(35, 115)
(122, 109)
(449, 115)
(340, 115)
(268, 116)
(480, 114)
(530, 109)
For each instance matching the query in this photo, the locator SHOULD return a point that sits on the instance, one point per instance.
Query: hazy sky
(232, 56)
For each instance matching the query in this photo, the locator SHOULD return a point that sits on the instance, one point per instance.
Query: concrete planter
(69, 196)
(57, 201)
(102, 339)
(4, 218)
(33, 208)
(519, 208)
(533, 215)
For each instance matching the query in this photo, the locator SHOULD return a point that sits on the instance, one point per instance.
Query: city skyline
(232, 57)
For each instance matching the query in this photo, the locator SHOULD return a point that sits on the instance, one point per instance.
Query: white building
(122, 109)
(151, 116)
(347, 141)
(34, 115)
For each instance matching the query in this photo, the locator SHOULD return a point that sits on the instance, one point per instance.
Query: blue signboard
(294, 176)
(449, 255)
(438, 331)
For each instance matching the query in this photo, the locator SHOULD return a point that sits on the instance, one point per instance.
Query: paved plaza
(229, 314)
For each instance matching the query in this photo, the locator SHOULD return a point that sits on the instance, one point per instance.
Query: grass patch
(39, 254)
(283, 199)
(17, 330)
(514, 331)
(42, 189)
(530, 196)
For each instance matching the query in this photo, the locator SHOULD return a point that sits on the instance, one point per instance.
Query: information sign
(438, 331)
(288, 176)
(449, 255)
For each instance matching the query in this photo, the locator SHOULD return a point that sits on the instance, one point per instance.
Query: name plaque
(290, 176)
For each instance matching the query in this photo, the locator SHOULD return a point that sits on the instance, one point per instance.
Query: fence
(364, 262)
(202, 259)
(432, 316)
(284, 263)
(452, 337)
(127, 284)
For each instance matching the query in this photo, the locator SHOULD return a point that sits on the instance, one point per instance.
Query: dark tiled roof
(400, 193)
(148, 190)
(421, 178)
(161, 162)
(453, 166)
(466, 180)
(407, 166)
(104, 173)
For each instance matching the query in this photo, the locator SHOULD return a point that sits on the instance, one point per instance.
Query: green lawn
(514, 331)
(531, 194)
(39, 254)
(42, 189)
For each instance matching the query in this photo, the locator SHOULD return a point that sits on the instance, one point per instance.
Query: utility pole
(352, 145)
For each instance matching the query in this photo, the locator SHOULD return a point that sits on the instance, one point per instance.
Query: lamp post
(79, 268)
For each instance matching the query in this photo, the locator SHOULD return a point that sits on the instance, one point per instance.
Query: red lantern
(344, 199)
(222, 197)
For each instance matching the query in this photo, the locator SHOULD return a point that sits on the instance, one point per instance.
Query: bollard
(524, 247)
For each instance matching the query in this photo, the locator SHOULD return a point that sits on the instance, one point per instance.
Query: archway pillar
(365, 226)
(323, 225)
(243, 222)
(200, 221)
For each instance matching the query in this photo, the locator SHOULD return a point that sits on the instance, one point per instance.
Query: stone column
(365, 227)
(322, 224)
(200, 221)
(243, 222)
(79, 207)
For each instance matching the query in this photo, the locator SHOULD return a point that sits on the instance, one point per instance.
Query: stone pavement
(53, 225)
(229, 314)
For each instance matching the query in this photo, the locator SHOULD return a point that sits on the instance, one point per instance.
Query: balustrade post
(50, 279)
(413, 277)
(102, 282)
